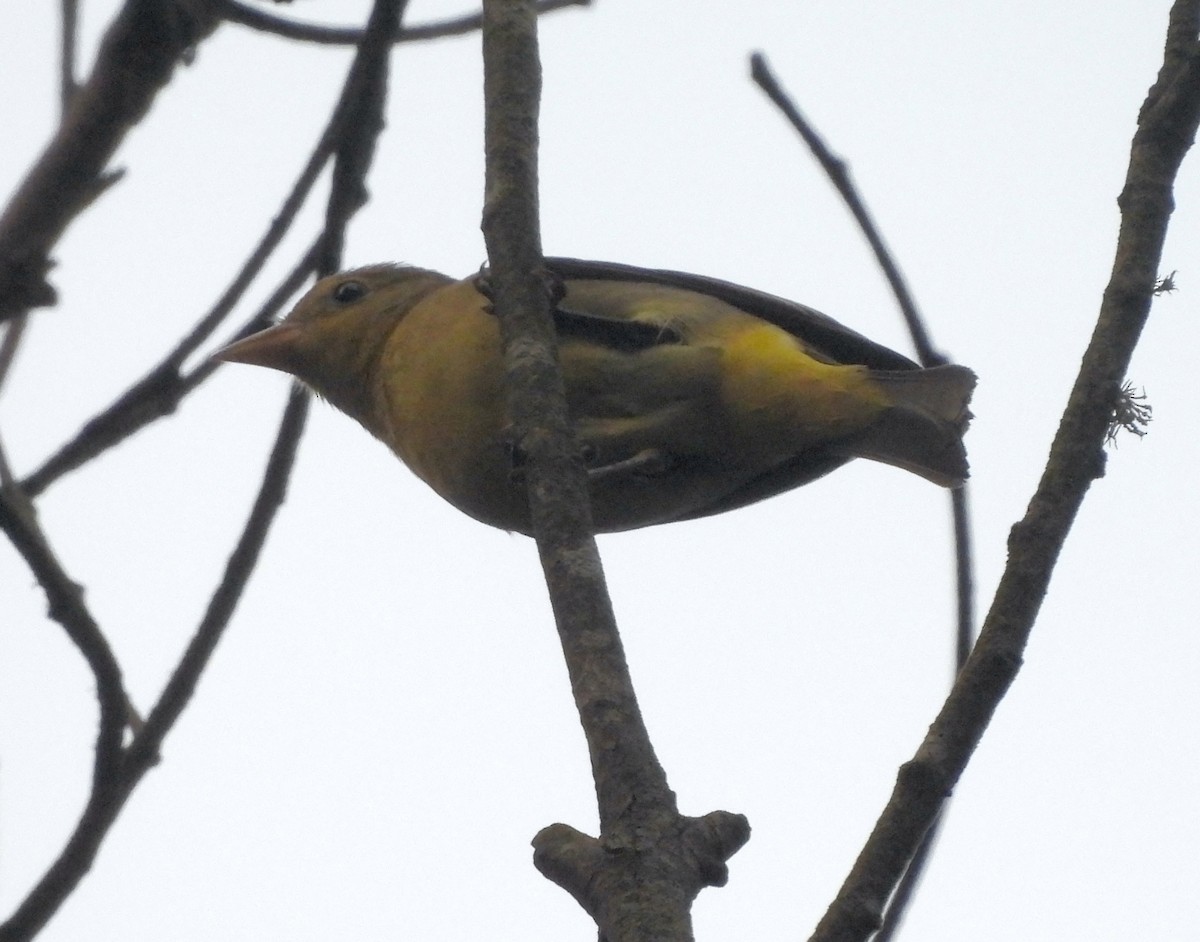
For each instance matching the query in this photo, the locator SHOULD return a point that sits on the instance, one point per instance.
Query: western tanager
(689, 395)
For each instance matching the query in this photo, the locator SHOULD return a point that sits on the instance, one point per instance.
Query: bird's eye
(349, 291)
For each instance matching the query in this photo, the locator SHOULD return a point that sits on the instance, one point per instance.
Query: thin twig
(964, 576)
(240, 13)
(835, 168)
(124, 768)
(906, 890)
(142, 752)
(159, 392)
(70, 31)
(1167, 126)
(964, 638)
(66, 606)
(118, 771)
(368, 77)
(359, 128)
(13, 331)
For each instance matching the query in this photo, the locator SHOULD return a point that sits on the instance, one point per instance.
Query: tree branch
(66, 71)
(159, 393)
(1166, 128)
(240, 13)
(835, 169)
(136, 59)
(66, 606)
(143, 751)
(639, 879)
(349, 134)
(118, 770)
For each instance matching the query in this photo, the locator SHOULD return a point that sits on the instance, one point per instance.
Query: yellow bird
(689, 396)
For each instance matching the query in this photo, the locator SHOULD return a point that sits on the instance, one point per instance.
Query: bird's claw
(552, 284)
(516, 455)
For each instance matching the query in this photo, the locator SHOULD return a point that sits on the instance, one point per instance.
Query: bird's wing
(817, 330)
(626, 336)
(806, 467)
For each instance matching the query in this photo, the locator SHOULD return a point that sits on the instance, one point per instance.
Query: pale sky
(388, 723)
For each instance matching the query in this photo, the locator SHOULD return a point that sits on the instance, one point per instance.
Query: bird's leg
(649, 462)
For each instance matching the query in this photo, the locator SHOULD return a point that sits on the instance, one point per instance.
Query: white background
(387, 722)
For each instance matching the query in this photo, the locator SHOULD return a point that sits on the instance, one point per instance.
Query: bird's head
(332, 339)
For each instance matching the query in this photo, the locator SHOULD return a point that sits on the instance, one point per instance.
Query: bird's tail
(922, 430)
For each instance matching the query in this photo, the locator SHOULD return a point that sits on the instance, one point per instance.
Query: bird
(688, 395)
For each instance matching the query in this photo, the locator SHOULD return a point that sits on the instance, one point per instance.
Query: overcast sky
(388, 722)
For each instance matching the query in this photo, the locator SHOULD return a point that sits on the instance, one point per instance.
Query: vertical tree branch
(639, 879)
(623, 761)
(1166, 129)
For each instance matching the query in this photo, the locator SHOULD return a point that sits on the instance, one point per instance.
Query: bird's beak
(275, 347)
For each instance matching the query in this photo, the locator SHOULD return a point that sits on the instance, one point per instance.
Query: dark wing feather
(628, 336)
(803, 469)
(837, 341)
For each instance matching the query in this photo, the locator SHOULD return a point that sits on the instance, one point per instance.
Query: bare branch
(352, 128)
(13, 331)
(66, 606)
(537, 407)
(1167, 126)
(70, 29)
(964, 565)
(358, 128)
(159, 393)
(835, 167)
(136, 59)
(119, 770)
(639, 879)
(240, 13)
(141, 754)
(964, 577)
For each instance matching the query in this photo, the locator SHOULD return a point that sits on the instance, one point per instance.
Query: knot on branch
(669, 868)
(712, 840)
(569, 858)
(23, 285)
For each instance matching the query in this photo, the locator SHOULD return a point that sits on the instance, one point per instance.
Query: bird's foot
(553, 285)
